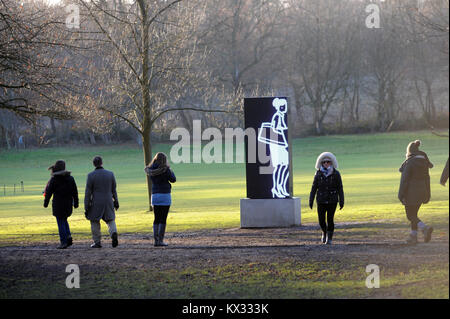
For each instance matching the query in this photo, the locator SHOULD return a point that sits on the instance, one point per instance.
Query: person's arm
(88, 194)
(171, 176)
(404, 181)
(313, 192)
(114, 193)
(75, 194)
(444, 176)
(49, 189)
(340, 191)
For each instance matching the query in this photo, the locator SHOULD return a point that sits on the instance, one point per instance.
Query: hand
(45, 205)
(86, 214)
(443, 184)
(311, 205)
(116, 205)
(341, 206)
(75, 206)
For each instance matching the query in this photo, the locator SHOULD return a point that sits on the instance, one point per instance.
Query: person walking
(328, 187)
(64, 190)
(415, 190)
(162, 177)
(101, 201)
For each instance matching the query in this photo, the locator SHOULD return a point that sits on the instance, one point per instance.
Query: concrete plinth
(260, 213)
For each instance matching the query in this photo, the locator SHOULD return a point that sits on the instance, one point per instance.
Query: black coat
(63, 188)
(329, 189)
(444, 175)
(415, 182)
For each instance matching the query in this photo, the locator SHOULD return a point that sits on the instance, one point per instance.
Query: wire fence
(14, 189)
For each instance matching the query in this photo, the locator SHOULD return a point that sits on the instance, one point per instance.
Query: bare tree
(150, 50)
(320, 47)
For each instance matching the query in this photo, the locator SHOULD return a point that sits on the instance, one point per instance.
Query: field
(209, 256)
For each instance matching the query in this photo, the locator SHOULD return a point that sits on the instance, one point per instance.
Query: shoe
(115, 240)
(329, 238)
(324, 237)
(155, 234)
(277, 194)
(427, 233)
(62, 246)
(412, 239)
(69, 241)
(161, 232)
(95, 245)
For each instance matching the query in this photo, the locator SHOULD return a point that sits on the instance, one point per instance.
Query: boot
(69, 241)
(115, 240)
(161, 232)
(156, 234)
(62, 246)
(412, 240)
(329, 238)
(324, 237)
(427, 233)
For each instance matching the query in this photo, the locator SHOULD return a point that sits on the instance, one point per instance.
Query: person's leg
(96, 233)
(158, 213)
(112, 229)
(68, 234)
(162, 224)
(321, 213)
(411, 214)
(426, 230)
(62, 232)
(331, 209)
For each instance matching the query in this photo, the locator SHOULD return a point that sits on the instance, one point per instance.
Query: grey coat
(101, 197)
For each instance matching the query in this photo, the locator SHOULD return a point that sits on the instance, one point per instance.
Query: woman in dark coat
(328, 187)
(161, 176)
(415, 189)
(63, 188)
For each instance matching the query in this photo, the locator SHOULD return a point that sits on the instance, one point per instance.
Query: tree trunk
(147, 146)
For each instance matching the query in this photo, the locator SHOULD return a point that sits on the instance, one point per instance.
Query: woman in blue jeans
(162, 177)
(63, 188)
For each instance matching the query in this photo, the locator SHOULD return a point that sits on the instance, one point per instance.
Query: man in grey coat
(100, 201)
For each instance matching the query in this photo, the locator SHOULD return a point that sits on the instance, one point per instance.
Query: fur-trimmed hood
(326, 155)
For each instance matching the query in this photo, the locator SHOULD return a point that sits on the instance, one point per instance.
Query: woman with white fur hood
(328, 187)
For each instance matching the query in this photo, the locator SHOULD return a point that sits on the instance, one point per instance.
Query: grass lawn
(205, 199)
(207, 196)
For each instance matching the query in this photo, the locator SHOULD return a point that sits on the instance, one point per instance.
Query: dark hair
(60, 165)
(160, 159)
(97, 161)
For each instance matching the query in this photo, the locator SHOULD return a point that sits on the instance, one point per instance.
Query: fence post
(21, 185)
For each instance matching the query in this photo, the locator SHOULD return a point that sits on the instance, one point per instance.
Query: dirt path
(364, 243)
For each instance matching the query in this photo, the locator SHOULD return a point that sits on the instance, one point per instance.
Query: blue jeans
(64, 230)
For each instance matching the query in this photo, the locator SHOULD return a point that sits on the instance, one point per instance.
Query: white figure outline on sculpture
(279, 155)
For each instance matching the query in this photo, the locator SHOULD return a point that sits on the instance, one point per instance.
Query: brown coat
(415, 181)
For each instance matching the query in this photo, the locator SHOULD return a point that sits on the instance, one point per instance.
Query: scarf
(156, 171)
(326, 171)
